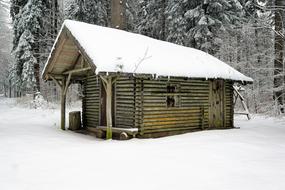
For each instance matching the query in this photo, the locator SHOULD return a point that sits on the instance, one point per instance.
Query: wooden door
(216, 112)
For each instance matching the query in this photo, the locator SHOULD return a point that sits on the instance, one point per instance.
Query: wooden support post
(107, 81)
(63, 102)
(64, 84)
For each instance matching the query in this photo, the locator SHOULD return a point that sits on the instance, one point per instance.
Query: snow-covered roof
(113, 50)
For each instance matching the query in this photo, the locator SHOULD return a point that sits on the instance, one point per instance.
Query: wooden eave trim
(153, 76)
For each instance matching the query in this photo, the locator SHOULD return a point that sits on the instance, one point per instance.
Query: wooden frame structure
(141, 105)
(237, 95)
(74, 66)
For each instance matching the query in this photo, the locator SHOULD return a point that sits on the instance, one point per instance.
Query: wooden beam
(56, 76)
(67, 83)
(76, 70)
(56, 81)
(63, 102)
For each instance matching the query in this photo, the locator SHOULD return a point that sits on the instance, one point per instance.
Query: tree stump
(74, 120)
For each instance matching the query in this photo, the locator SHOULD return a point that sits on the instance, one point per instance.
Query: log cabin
(138, 86)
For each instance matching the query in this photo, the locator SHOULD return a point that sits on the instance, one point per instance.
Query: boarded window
(172, 98)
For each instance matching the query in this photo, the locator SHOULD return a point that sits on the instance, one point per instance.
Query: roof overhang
(67, 57)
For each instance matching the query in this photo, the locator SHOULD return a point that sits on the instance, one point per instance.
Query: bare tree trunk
(279, 56)
(10, 88)
(118, 14)
(163, 20)
(56, 15)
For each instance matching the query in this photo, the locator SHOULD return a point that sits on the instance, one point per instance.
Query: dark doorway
(103, 99)
(103, 120)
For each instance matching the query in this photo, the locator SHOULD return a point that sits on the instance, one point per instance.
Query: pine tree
(90, 11)
(16, 6)
(210, 18)
(152, 18)
(25, 56)
(27, 24)
(176, 23)
(248, 48)
(131, 15)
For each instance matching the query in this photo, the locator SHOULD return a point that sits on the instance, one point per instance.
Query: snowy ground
(36, 155)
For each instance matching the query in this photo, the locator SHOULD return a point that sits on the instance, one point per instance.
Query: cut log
(74, 120)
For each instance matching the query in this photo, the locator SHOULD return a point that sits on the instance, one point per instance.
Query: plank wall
(190, 113)
(125, 102)
(229, 109)
(91, 102)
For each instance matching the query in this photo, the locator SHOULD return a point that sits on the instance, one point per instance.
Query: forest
(246, 34)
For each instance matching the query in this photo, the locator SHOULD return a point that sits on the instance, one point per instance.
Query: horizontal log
(174, 115)
(91, 115)
(124, 93)
(91, 103)
(91, 109)
(175, 119)
(91, 123)
(173, 109)
(91, 92)
(173, 127)
(92, 88)
(91, 120)
(125, 101)
(125, 125)
(177, 130)
(130, 113)
(173, 123)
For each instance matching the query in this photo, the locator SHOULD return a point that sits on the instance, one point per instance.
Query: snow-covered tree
(152, 18)
(249, 48)
(279, 76)
(90, 11)
(176, 23)
(25, 55)
(210, 18)
(132, 14)
(28, 26)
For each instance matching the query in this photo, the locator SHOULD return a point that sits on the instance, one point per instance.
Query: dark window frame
(172, 97)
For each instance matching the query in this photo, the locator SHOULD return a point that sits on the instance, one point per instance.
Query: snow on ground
(36, 155)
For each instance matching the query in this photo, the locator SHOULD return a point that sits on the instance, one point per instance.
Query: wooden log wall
(142, 103)
(229, 106)
(91, 101)
(125, 102)
(191, 113)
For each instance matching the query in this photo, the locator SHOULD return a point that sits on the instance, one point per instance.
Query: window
(172, 98)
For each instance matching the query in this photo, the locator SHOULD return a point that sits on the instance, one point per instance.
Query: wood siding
(91, 102)
(189, 113)
(125, 102)
(142, 103)
(229, 106)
